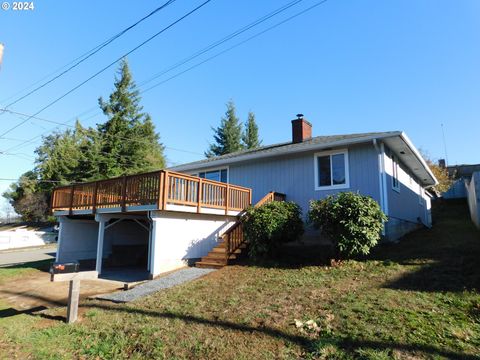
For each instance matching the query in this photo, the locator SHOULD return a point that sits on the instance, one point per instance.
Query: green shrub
(271, 224)
(352, 221)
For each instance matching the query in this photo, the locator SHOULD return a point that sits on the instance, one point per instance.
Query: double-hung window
(217, 175)
(395, 182)
(331, 170)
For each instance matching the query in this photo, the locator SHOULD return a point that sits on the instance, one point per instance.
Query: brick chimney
(301, 129)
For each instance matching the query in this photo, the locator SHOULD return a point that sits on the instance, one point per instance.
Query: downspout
(382, 178)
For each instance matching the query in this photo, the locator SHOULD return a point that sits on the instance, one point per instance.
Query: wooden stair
(217, 258)
(233, 244)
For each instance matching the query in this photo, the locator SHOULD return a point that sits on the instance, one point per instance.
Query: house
(383, 165)
(461, 175)
(160, 220)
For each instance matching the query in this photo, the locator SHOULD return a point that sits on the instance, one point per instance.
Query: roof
(404, 149)
(462, 171)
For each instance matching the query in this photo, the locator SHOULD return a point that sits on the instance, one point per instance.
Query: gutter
(417, 154)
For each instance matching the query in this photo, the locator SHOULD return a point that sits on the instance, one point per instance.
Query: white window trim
(197, 173)
(347, 173)
(395, 167)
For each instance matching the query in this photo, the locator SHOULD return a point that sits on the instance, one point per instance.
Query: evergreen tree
(27, 199)
(228, 135)
(250, 136)
(126, 144)
(128, 141)
(58, 158)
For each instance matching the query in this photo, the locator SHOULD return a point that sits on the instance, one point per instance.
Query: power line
(145, 141)
(236, 45)
(5, 110)
(36, 180)
(212, 57)
(223, 40)
(89, 54)
(109, 65)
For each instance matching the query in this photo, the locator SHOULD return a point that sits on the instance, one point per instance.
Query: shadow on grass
(446, 255)
(309, 345)
(42, 265)
(292, 256)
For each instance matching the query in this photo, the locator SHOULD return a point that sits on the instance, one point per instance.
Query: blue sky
(349, 66)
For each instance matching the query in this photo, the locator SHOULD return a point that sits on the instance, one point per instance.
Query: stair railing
(234, 237)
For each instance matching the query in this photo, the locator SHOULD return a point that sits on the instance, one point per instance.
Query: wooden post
(94, 205)
(227, 198)
(165, 190)
(70, 210)
(73, 299)
(124, 193)
(199, 194)
(74, 289)
(161, 193)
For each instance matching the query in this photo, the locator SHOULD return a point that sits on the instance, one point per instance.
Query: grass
(414, 300)
(14, 272)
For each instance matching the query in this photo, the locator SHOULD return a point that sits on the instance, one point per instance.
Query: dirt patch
(36, 291)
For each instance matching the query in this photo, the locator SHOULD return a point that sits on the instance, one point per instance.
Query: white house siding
(77, 239)
(294, 176)
(179, 237)
(410, 207)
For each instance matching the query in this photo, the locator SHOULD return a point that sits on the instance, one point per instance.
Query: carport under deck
(184, 216)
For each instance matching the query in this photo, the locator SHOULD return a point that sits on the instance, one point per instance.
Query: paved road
(11, 257)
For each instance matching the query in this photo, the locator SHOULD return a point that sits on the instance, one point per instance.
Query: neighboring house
(383, 165)
(161, 219)
(461, 175)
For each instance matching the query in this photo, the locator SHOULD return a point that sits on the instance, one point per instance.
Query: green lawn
(413, 300)
(11, 273)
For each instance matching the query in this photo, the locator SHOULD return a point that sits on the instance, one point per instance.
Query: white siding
(182, 236)
(410, 203)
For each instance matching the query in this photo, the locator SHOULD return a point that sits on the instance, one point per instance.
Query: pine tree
(250, 136)
(128, 141)
(228, 135)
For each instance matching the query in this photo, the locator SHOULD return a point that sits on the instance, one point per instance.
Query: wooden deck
(159, 190)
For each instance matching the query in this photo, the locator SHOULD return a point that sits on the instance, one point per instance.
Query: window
(331, 170)
(216, 175)
(395, 182)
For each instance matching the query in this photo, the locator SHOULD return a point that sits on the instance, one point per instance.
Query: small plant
(352, 221)
(270, 225)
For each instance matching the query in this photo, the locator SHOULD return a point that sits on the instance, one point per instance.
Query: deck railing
(159, 189)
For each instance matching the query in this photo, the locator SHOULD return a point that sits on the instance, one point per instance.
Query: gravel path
(149, 287)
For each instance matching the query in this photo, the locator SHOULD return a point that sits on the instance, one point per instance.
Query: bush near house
(270, 225)
(352, 221)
